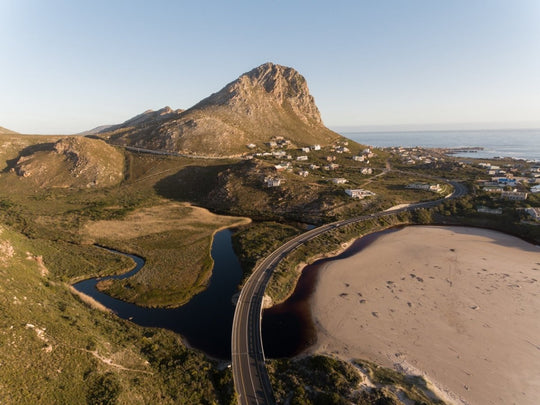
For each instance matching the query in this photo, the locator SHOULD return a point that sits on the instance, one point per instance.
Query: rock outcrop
(72, 162)
(267, 102)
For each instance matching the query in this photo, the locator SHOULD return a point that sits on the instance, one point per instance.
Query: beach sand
(460, 306)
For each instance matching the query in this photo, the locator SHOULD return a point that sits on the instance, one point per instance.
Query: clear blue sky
(67, 66)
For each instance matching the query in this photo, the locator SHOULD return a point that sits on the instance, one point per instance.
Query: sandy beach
(458, 305)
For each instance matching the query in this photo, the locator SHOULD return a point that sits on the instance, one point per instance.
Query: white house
(533, 212)
(487, 210)
(331, 166)
(272, 181)
(303, 157)
(316, 147)
(339, 180)
(428, 187)
(359, 193)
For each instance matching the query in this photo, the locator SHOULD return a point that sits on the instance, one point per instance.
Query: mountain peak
(266, 86)
(268, 101)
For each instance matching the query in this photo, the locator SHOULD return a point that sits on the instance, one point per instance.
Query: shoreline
(342, 346)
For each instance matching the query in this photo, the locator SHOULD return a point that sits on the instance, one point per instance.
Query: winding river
(206, 320)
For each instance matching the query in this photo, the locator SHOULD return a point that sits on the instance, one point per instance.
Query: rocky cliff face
(73, 162)
(266, 87)
(266, 102)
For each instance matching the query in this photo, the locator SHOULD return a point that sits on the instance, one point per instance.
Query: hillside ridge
(5, 131)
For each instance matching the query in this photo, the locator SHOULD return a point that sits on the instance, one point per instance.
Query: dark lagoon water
(206, 320)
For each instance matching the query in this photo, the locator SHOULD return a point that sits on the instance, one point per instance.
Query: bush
(103, 389)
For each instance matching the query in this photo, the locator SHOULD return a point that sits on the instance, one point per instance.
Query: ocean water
(519, 143)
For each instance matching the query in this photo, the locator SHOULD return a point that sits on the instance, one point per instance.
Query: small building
(339, 180)
(493, 189)
(422, 186)
(514, 195)
(342, 149)
(366, 170)
(272, 181)
(272, 144)
(358, 158)
(359, 193)
(303, 173)
(314, 167)
(535, 189)
(302, 158)
(486, 210)
(316, 147)
(330, 158)
(283, 142)
(331, 166)
(533, 212)
(305, 149)
(251, 145)
(282, 166)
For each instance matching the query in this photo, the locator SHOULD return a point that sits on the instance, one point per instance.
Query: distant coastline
(516, 143)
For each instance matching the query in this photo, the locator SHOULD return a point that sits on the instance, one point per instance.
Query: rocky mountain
(71, 162)
(267, 102)
(6, 131)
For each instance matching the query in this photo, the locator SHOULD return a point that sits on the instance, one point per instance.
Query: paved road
(251, 379)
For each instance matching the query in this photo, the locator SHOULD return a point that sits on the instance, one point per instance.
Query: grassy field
(174, 238)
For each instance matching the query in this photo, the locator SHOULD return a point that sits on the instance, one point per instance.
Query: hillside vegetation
(55, 349)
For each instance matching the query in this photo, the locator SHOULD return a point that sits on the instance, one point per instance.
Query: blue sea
(518, 143)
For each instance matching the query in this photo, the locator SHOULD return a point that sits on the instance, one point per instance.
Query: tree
(103, 389)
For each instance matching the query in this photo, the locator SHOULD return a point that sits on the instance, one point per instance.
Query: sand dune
(460, 305)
